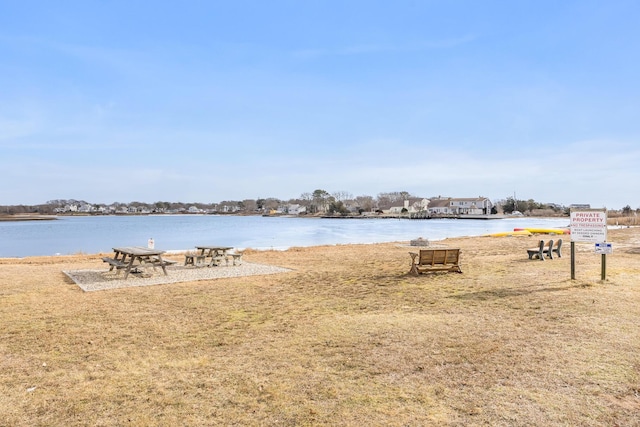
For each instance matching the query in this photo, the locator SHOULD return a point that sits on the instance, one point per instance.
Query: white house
(86, 208)
(460, 206)
(472, 206)
(296, 209)
(410, 206)
(440, 207)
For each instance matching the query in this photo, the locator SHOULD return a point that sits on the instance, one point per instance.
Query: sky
(206, 101)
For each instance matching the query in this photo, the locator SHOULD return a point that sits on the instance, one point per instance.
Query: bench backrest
(558, 246)
(439, 256)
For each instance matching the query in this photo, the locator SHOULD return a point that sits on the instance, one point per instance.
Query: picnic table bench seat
(197, 260)
(428, 260)
(160, 262)
(235, 256)
(153, 261)
(114, 263)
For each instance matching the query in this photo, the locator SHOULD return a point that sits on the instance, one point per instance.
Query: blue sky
(204, 101)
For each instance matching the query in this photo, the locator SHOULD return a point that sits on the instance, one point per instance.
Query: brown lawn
(347, 338)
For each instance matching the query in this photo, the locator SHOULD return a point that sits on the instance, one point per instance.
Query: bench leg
(414, 269)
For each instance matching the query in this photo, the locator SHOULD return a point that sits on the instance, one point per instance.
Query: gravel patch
(100, 280)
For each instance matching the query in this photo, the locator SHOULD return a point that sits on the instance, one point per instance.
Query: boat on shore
(544, 230)
(510, 233)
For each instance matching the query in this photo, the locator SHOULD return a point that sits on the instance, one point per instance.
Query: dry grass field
(347, 338)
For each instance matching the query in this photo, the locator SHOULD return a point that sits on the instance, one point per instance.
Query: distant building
(580, 206)
(460, 206)
(296, 209)
(411, 205)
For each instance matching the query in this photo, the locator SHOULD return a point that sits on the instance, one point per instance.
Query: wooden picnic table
(128, 257)
(216, 253)
(213, 250)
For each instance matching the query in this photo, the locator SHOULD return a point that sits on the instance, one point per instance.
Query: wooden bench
(540, 251)
(428, 260)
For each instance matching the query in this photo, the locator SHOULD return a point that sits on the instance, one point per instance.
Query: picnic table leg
(128, 269)
(117, 258)
(164, 268)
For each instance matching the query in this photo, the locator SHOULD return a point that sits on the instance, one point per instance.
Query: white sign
(604, 248)
(589, 225)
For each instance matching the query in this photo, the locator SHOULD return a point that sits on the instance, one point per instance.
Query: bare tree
(250, 205)
(342, 196)
(366, 203)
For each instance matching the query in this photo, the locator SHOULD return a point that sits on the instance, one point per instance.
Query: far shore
(38, 217)
(615, 220)
(27, 217)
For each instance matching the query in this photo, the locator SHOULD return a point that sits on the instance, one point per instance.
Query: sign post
(604, 249)
(589, 225)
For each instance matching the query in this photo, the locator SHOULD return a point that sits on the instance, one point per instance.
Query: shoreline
(403, 243)
(28, 217)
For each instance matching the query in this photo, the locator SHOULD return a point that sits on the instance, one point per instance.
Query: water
(94, 234)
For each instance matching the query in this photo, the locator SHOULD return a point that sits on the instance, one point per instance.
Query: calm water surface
(69, 235)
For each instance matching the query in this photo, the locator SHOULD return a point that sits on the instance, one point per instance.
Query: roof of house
(439, 203)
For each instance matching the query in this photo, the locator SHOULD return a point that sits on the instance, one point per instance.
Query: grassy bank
(346, 338)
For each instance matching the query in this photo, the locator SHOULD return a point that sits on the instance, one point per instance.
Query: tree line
(317, 201)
